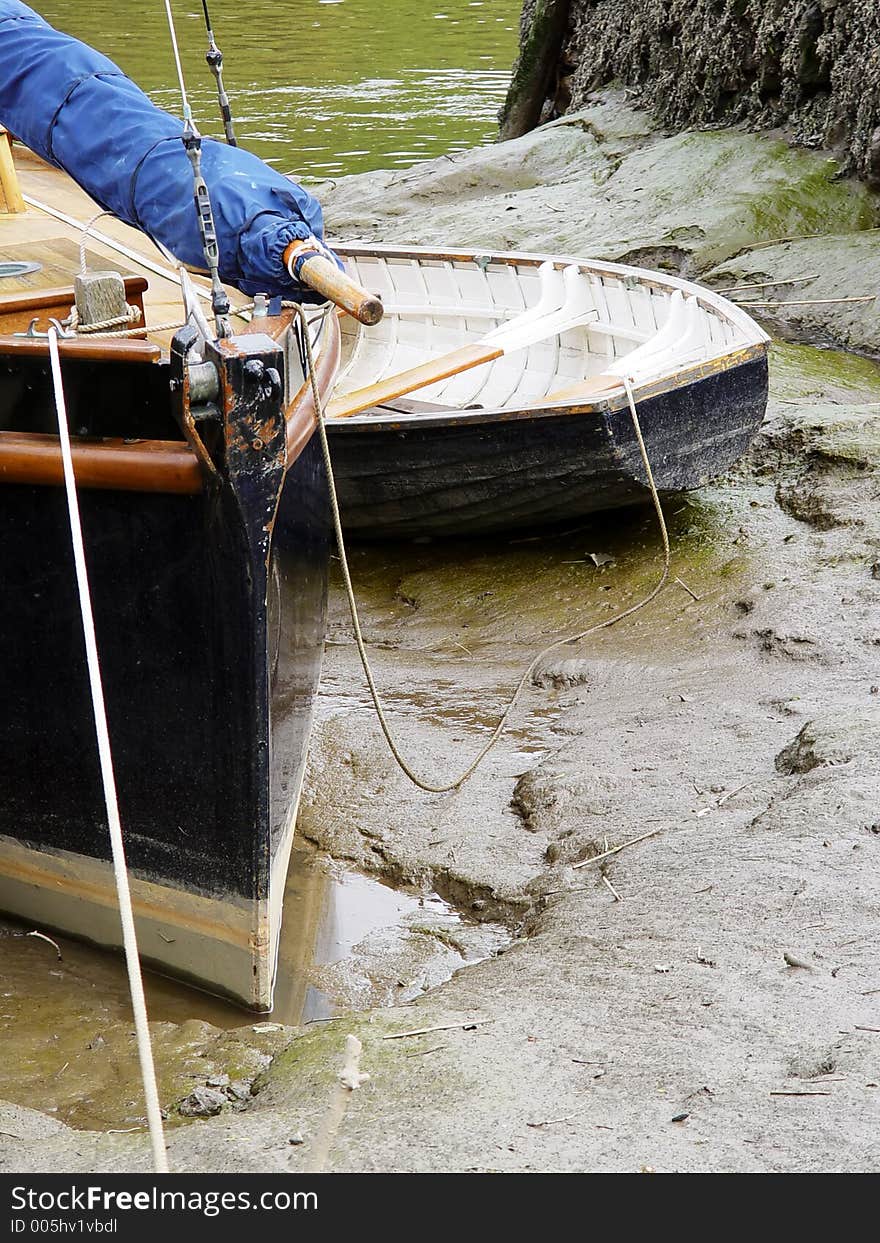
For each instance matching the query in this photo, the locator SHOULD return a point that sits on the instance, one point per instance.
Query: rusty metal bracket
(181, 346)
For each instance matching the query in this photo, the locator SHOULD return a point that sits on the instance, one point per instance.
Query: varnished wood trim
(91, 349)
(301, 415)
(39, 299)
(18, 310)
(150, 465)
(145, 466)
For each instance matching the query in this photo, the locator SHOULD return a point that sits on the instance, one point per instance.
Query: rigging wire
(214, 57)
(192, 142)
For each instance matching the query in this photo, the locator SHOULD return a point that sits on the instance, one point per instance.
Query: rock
(297, 1139)
(542, 29)
(550, 801)
(826, 454)
(562, 674)
(603, 181)
(811, 65)
(218, 1081)
(239, 1090)
(202, 1103)
(872, 160)
(834, 739)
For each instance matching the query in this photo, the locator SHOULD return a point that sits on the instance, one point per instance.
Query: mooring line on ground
(105, 754)
(445, 788)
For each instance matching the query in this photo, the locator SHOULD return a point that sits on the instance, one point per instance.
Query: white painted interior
(560, 322)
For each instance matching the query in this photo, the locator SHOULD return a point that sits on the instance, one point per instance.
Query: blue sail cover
(79, 111)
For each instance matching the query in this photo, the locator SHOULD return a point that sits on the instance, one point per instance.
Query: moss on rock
(812, 66)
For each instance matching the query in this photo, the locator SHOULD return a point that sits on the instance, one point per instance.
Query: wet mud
(645, 931)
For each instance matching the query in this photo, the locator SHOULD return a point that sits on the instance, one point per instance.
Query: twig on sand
(799, 1092)
(693, 595)
(425, 1052)
(616, 849)
(733, 793)
(859, 1028)
(797, 280)
(797, 894)
(42, 936)
(10, 1135)
(812, 301)
(466, 1026)
(555, 1121)
(779, 241)
(608, 884)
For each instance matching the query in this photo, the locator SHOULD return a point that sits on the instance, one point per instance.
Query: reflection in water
(323, 87)
(327, 912)
(69, 1019)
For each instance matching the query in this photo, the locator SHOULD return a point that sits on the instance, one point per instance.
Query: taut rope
(444, 788)
(129, 936)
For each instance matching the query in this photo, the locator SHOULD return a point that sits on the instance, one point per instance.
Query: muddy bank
(725, 206)
(812, 68)
(702, 999)
(657, 984)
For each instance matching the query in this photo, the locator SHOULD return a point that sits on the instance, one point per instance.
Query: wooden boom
(325, 278)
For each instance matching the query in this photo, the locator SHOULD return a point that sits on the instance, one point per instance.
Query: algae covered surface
(704, 998)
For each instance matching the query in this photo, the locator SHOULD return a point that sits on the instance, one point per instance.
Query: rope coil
(132, 315)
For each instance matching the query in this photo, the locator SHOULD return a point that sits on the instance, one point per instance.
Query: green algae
(800, 372)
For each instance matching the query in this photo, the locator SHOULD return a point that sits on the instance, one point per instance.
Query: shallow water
(348, 941)
(322, 87)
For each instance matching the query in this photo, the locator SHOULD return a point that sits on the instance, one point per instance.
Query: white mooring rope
(129, 936)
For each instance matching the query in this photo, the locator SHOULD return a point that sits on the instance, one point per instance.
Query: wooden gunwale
(88, 349)
(381, 420)
(302, 418)
(145, 465)
(652, 280)
(39, 298)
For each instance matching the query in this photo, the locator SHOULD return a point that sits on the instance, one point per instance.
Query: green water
(321, 87)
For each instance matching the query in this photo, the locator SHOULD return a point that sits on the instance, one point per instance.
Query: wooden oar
(311, 268)
(403, 382)
(534, 325)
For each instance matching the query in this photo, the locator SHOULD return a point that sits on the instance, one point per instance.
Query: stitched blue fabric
(79, 111)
